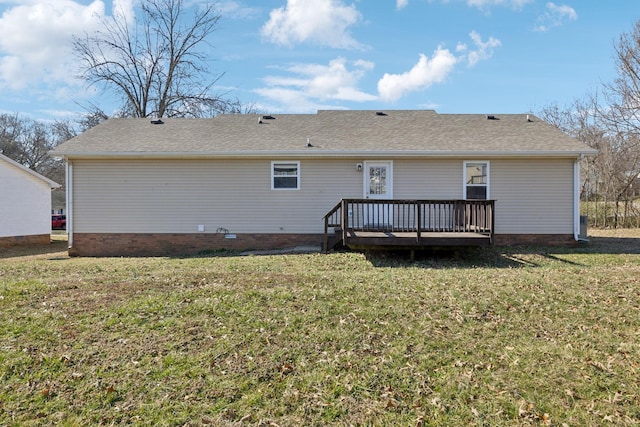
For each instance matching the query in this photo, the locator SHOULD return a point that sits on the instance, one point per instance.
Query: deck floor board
(370, 239)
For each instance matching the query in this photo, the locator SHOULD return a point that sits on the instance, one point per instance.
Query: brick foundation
(33, 240)
(133, 244)
(168, 244)
(534, 239)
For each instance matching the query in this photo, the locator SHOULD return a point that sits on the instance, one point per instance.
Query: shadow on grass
(612, 245)
(504, 256)
(58, 244)
(466, 257)
(447, 258)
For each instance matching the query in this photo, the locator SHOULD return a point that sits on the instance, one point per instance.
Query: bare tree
(234, 106)
(28, 141)
(611, 124)
(10, 130)
(24, 140)
(63, 130)
(623, 94)
(154, 63)
(622, 116)
(581, 120)
(93, 117)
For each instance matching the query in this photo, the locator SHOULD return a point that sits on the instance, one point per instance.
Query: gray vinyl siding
(533, 196)
(427, 179)
(176, 196)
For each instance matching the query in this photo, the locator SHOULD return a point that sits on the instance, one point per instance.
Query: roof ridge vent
(492, 117)
(157, 122)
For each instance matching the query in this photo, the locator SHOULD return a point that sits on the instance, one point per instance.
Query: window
(285, 175)
(476, 180)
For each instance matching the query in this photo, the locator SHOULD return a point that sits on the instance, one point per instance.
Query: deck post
(326, 232)
(344, 220)
(493, 219)
(419, 220)
(325, 244)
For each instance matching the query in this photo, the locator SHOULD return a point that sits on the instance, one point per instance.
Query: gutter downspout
(69, 197)
(576, 199)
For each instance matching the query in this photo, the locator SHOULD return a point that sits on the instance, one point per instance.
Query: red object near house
(58, 222)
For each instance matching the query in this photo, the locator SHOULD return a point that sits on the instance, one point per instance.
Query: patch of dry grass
(508, 336)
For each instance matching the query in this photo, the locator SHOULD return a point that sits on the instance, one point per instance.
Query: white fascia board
(325, 154)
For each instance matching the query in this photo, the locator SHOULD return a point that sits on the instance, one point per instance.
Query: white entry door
(378, 180)
(378, 185)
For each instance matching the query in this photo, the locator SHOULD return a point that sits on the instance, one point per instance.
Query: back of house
(178, 186)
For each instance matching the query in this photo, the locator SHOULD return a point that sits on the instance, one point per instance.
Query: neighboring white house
(140, 186)
(25, 205)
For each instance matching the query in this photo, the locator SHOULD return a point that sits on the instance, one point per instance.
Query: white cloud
(429, 106)
(555, 16)
(234, 10)
(563, 11)
(426, 72)
(35, 39)
(480, 4)
(324, 22)
(483, 51)
(313, 83)
(514, 4)
(123, 8)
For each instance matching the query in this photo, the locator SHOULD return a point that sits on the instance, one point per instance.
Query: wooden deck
(409, 224)
(407, 240)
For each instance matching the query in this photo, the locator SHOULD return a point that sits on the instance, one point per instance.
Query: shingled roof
(395, 133)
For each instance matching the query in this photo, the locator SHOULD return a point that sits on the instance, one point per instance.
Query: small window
(476, 180)
(285, 175)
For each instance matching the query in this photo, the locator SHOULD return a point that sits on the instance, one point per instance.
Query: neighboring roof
(327, 133)
(25, 169)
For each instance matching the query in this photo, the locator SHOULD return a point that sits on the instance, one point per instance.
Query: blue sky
(298, 56)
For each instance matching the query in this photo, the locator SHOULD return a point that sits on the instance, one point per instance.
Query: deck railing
(416, 216)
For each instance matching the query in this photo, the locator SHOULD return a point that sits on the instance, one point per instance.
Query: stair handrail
(333, 213)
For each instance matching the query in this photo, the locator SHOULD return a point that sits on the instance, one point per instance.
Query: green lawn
(505, 336)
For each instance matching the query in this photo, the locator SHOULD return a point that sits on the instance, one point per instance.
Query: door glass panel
(377, 180)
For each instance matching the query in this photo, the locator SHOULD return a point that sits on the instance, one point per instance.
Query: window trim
(464, 178)
(285, 162)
